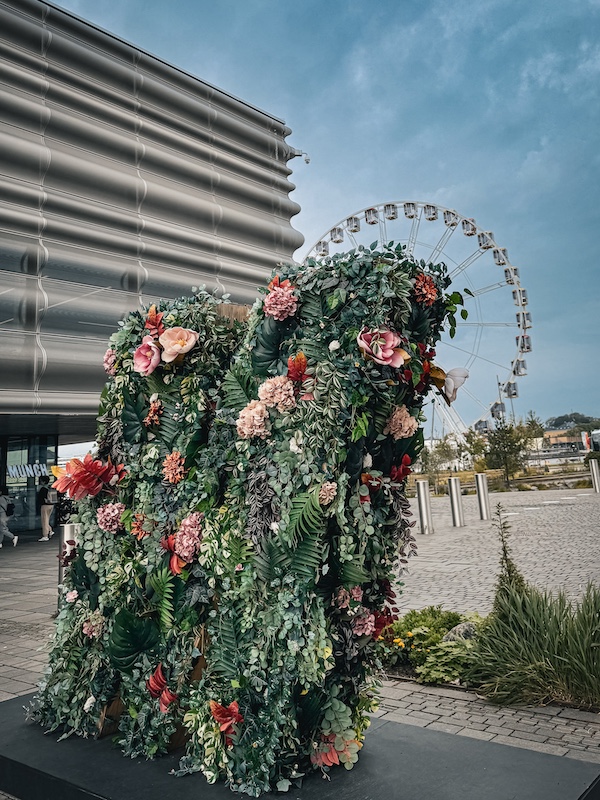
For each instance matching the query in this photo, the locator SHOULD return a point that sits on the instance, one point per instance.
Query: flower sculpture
(233, 583)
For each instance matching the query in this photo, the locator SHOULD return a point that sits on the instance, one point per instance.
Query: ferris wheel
(493, 341)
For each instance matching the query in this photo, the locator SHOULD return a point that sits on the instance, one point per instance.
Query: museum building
(123, 180)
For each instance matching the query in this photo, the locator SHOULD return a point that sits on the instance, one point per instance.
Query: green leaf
(271, 560)
(129, 638)
(162, 581)
(306, 516)
(238, 388)
(132, 416)
(464, 313)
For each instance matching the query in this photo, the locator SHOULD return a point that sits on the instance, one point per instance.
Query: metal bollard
(595, 473)
(424, 506)
(483, 498)
(65, 533)
(458, 519)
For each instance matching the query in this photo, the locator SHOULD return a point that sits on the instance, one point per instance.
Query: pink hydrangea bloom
(357, 593)
(109, 517)
(108, 362)
(382, 347)
(363, 624)
(189, 537)
(401, 425)
(280, 303)
(175, 341)
(71, 596)
(253, 421)
(146, 357)
(278, 392)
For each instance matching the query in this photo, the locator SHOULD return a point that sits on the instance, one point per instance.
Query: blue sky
(490, 108)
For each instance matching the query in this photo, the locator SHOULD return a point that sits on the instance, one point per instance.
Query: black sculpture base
(398, 761)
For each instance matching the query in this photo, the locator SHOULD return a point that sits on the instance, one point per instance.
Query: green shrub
(536, 648)
(584, 483)
(447, 661)
(407, 642)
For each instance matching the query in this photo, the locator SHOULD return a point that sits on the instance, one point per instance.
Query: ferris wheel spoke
(491, 288)
(442, 242)
(414, 231)
(466, 263)
(478, 357)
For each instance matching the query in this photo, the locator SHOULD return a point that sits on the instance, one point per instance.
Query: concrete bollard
(458, 519)
(424, 506)
(595, 473)
(483, 498)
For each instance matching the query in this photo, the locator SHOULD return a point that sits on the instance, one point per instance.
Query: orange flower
(173, 467)
(153, 417)
(87, 478)
(137, 527)
(297, 367)
(154, 323)
(425, 290)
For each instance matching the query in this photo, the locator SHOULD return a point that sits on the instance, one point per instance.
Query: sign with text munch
(27, 470)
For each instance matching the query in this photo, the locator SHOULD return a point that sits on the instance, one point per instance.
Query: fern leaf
(306, 516)
(271, 561)
(162, 583)
(238, 388)
(308, 556)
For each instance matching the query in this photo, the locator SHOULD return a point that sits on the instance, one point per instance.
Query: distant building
(122, 180)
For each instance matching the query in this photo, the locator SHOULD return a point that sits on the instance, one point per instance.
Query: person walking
(5, 502)
(45, 506)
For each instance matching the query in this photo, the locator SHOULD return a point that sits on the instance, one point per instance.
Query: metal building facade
(122, 180)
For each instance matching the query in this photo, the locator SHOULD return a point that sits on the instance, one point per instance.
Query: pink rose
(71, 596)
(147, 356)
(381, 346)
(176, 341)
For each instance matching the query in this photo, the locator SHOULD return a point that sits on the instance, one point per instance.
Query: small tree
(476, 445)
(433, 460)
(506, 444)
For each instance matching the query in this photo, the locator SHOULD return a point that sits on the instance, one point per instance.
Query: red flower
(87, 478)
(176, 564)
(154, 323)
(382, 620)
(166, 698)
(276, 283)
(226, 718)
(425, 290)
(156, 682)
(367, 479)
(398, 474)
(297, 367)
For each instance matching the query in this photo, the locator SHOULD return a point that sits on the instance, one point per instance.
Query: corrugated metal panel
(122, 180)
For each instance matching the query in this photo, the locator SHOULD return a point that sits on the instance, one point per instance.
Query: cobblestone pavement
(554, 538)
(555, 542)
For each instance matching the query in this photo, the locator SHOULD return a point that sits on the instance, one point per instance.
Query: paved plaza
(555, 539)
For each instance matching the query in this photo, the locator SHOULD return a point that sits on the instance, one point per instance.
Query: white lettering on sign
(27, 470)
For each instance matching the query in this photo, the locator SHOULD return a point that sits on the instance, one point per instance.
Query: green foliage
(163, 585)
(505, 449)
(447, 662)
(537, 648)
(85, 581)
(306, 517)
(131, 636)
(238, 388)
(132, 416)
(265, 354)
(409, 640)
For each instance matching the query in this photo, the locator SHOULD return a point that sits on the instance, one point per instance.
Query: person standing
(45, 506)
(5, 501)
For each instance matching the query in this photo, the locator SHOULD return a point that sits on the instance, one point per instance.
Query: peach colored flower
(147, 356)
(253, 421)
(108, 362)
(153, 416)
(278, 392)
(425, 290)
(327, 493)
(175, 341)
(401, 424)
(381, 346)
(173, 467)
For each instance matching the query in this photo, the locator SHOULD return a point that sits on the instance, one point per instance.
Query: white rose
(335, 345)
(89, 703)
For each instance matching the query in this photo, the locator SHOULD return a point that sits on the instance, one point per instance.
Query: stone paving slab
(558, 731)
